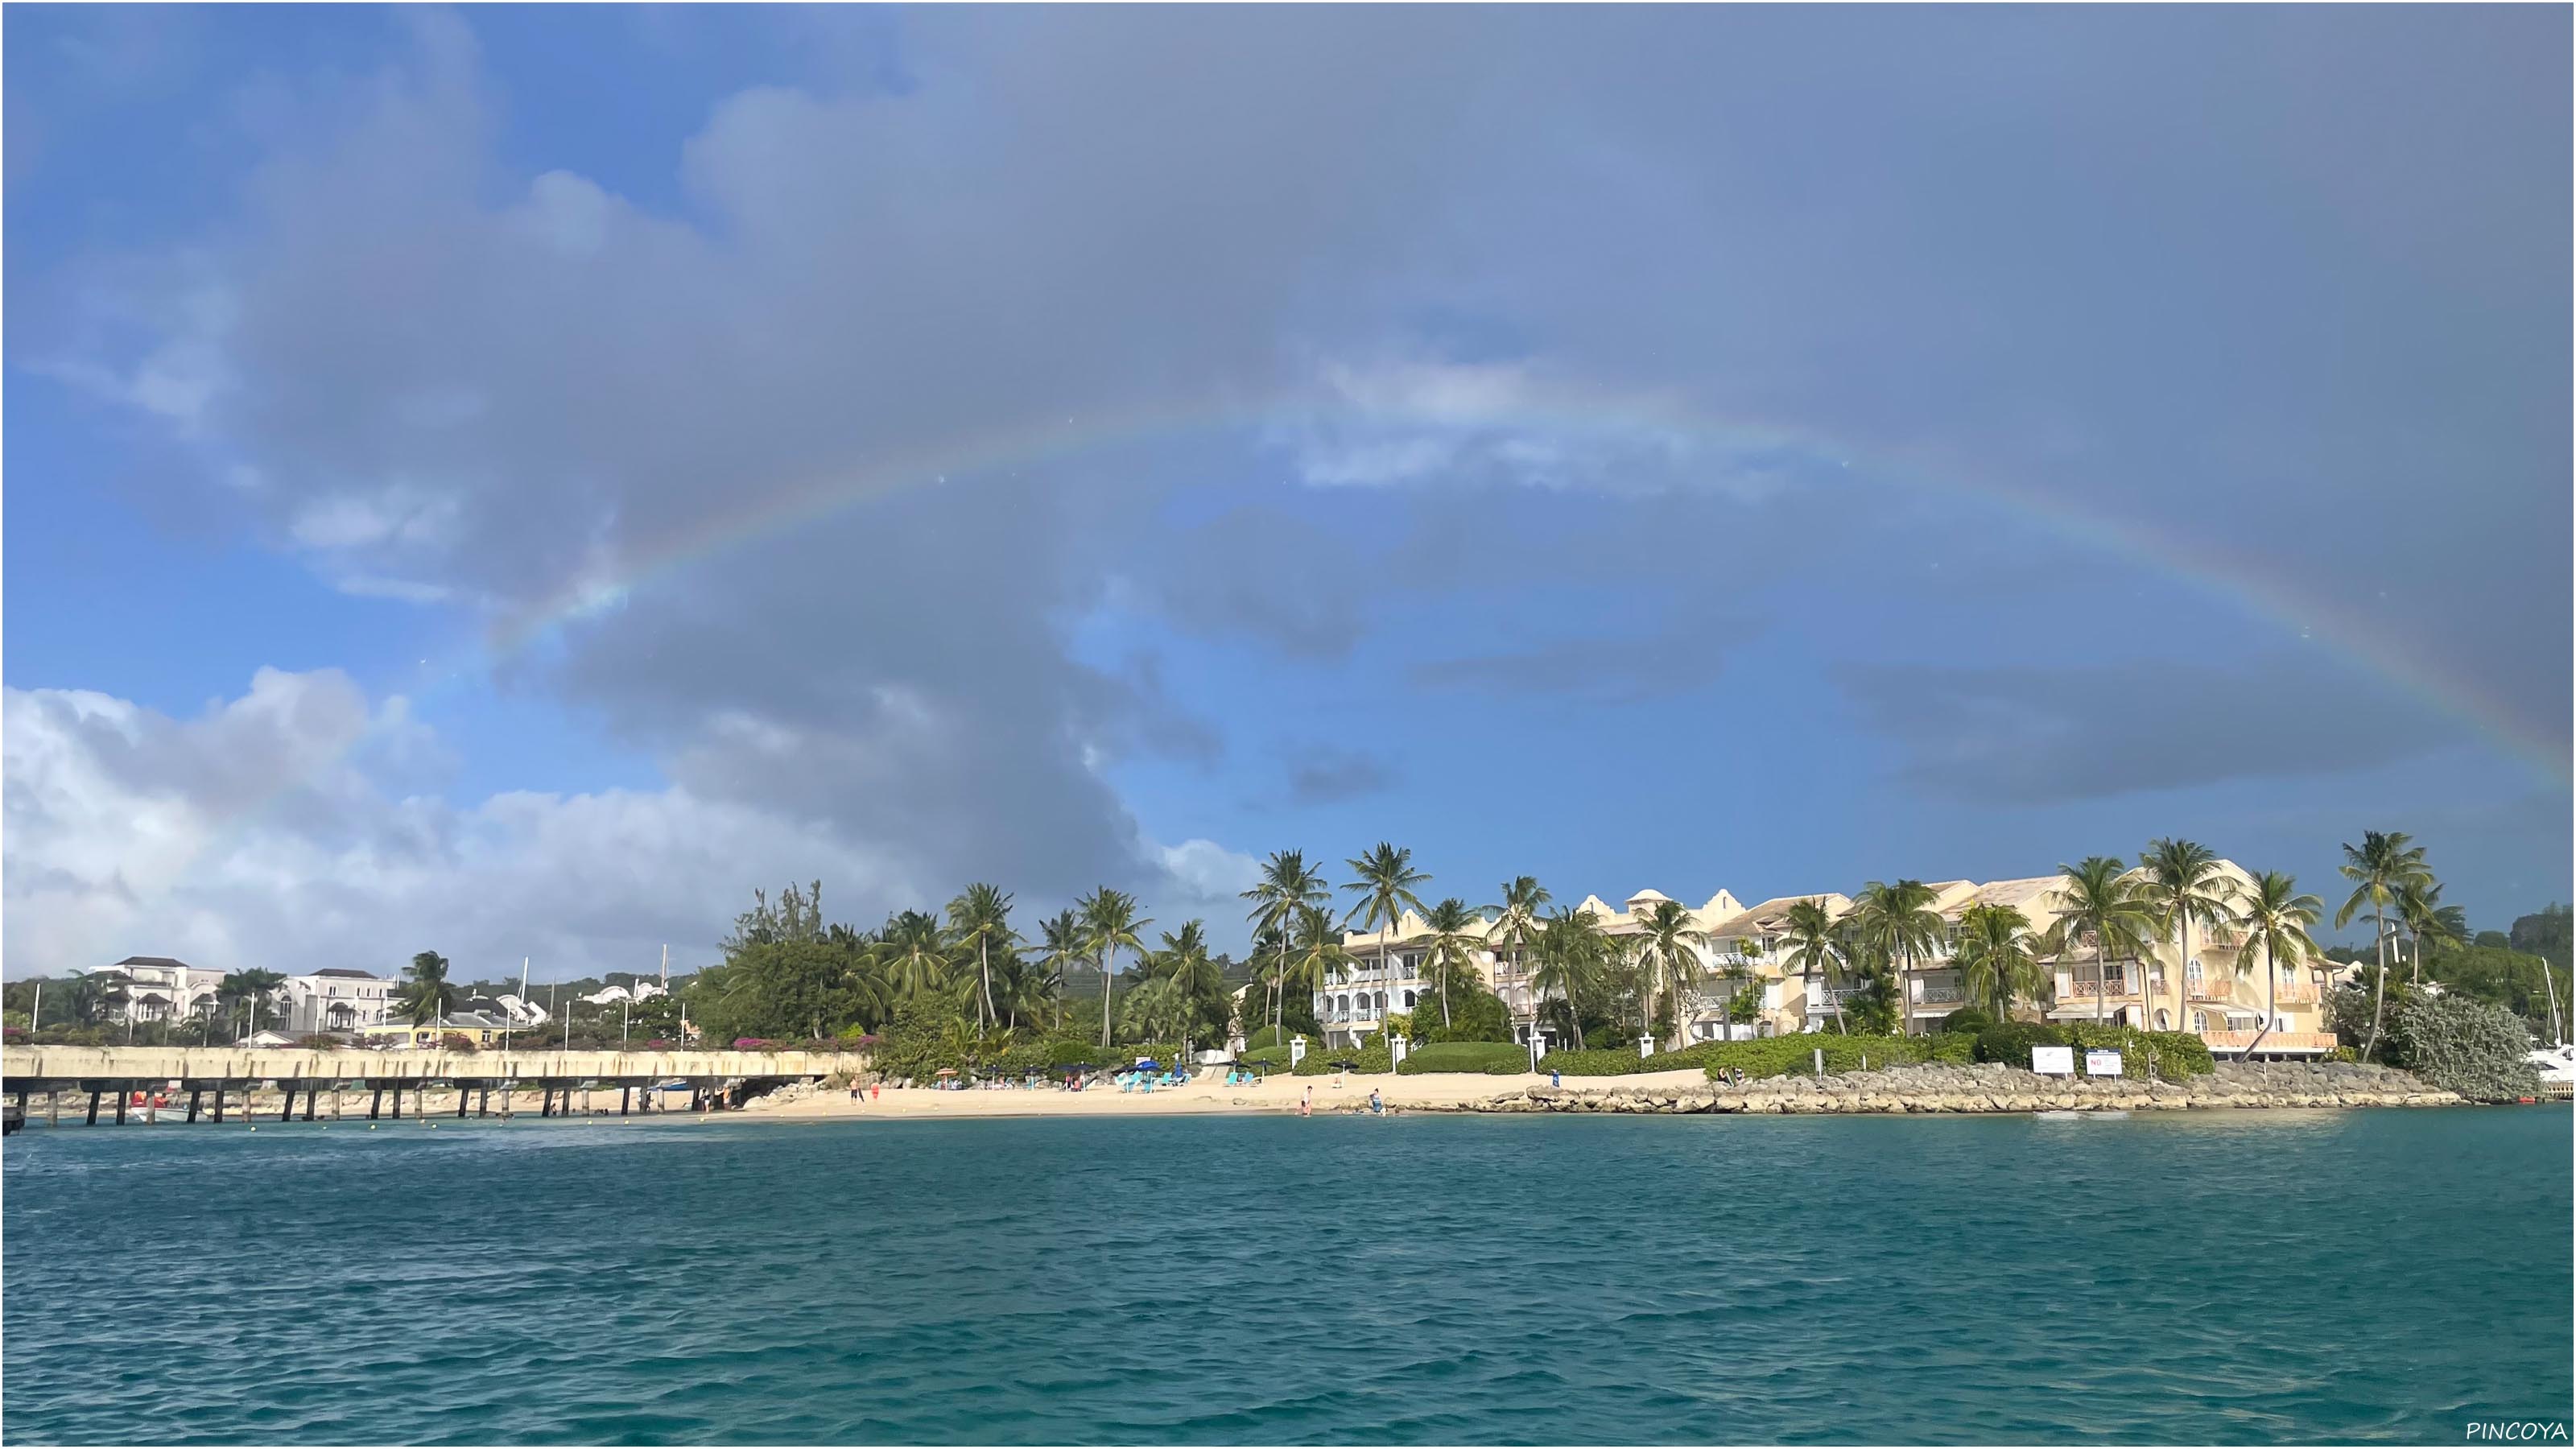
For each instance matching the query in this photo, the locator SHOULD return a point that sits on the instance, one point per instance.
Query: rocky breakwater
(1935, 1089)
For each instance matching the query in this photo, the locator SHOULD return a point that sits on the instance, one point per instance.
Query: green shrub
(1273, 1057)
(1770, 1056)
(2173, 1055)
(1466, 1056)
(1967, 1021)
(2478, 1050)
(1955, 1047)
(1266, 1037)
(1374, 1059)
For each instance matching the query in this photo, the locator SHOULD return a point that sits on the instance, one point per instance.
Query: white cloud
(293, 828)
(1410, 420)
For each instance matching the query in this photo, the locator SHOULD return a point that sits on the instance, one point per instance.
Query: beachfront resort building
(337, 998)
(159, 988)
(1745, 985)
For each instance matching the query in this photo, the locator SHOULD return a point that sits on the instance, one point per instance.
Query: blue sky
(1766, 450)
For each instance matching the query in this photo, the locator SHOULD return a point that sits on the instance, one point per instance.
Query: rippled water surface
(2328, 1276)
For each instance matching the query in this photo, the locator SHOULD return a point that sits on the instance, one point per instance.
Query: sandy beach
(1278, 1094)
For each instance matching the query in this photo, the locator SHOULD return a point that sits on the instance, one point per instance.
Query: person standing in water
(1377, 1107)
(1306, 1106)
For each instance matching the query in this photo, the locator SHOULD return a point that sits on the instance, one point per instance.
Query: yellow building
(481, 1030)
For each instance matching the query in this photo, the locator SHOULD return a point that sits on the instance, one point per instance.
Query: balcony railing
(1930, 993)
(2277, 1041)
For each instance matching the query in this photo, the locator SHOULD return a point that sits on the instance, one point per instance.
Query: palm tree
(1572, 950)
(2097, 897)
(1317, 950)
(1062, 949)
(247, 989)
(1898, 922)
(915, 955)
(1110, 923)
(1193, 975)
(1815, 949)
(1516, 920)
(980, 916)
(2184, 885)
(1287, 885)
(1665, 937)
(2381, 868)
(1386, 885)
(1456, 933)
(427, 996)
(1996, 959)
(2419, 906)
(2274, 916)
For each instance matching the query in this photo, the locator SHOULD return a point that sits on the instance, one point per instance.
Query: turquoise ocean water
(2233, 1278)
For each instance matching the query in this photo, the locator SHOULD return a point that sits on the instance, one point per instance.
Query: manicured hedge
(1769, 1056)
(2176, 1054)
(1373, 1059)
(1497, 1058)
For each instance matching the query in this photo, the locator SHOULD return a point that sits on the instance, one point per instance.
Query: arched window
(2191, 974)
(1381, 1001)
(2164, 1019)
(1408, 1001)
(2200, 1021)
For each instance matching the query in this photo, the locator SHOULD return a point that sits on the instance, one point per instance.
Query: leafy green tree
(2544, 933)
(2276, 920)
(2380, 868)
(1814, 947)
(1110, 925)
(2185, 886)
(1898, 924)
(1199, 1003)
(1997, 961)
(2099, 900)
(426, 997)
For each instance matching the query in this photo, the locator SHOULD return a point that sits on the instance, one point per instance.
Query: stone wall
(1995, 1088)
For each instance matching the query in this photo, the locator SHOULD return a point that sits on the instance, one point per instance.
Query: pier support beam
(286, 1113)
(625, 1101)
(120, 1103)
(196, 1095)
(93, 1108)
(376, 1104)
(460, 1101)
(397, 1101)
(219, 1103)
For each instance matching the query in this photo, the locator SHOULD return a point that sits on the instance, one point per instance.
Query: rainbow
(2217, 574)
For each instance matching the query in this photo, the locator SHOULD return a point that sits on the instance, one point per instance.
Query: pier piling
(196, 1095)
(93, 1108)
(120, 1104)
(376, 1104)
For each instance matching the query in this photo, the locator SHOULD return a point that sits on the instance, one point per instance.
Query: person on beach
(1377, 1107)
(1306, 1108)
(1555, 1077)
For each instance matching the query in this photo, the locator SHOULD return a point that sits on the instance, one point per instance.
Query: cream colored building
(1742, 951)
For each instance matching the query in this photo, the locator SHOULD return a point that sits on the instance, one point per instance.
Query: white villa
(1741, 951)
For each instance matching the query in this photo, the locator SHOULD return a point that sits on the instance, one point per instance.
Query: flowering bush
(457, 1041)
(751, 1044)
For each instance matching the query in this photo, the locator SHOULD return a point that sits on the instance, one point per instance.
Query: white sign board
(1645, 1047)
(2099, 1063)
(1296, 1050)
(2053, 1061)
